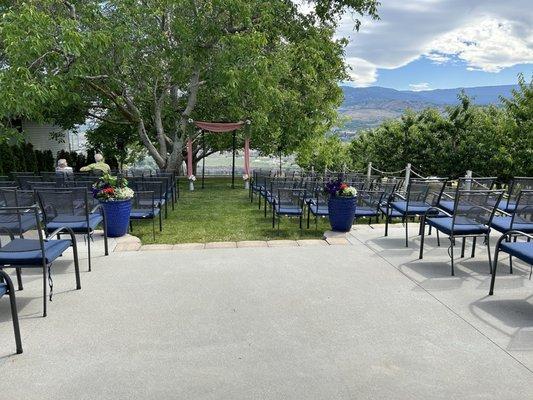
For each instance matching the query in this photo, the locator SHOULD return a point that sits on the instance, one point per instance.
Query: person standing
(98, 165)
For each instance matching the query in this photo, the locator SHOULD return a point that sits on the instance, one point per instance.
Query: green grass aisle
(219, 213)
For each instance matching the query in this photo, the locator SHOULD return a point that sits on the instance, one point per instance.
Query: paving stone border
(133, 243)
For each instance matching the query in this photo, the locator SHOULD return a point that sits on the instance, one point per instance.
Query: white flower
(245, 177)
(192, 178)
(123, 193)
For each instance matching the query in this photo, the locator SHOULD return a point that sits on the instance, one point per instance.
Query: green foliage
(491, 141)
(152, 65)
(22, 157)
(321, 153)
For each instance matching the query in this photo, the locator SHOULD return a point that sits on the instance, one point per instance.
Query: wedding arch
(220, 127)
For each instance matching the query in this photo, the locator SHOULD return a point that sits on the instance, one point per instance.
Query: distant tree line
(490, 141)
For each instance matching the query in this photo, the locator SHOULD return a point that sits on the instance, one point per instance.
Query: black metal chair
(288, 202)
(70, 207)
(24, 181)
(472, 216)
(516, 185)
(34, 253)
(421, 195)
(447, 200)
(145, 206)
(318, 206)
(6, 288)
(508, 244)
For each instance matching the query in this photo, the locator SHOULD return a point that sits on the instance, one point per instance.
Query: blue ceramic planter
(341, 212)
(118, 217)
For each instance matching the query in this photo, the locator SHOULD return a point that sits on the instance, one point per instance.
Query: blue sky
(433, 44)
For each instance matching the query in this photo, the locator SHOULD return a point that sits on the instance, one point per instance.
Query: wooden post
(369, 171)
(468, 177)
(407, 176)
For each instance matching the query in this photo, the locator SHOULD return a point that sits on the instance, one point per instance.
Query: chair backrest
(66, 202)
(289, 197)
(370, 198)
(22, 173)
(15, 221)
(485, 183)
(144, 200)
(4, 178)
(14, 197)
(42, 185)
(475, 206)
(519, 184)
(523, 212)
(8, 184)
(427, 191)
(150, 185)
(23, 181)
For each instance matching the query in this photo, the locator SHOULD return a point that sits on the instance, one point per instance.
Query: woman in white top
(63, 167)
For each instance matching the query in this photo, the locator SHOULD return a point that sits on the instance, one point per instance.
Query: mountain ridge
(368, 107)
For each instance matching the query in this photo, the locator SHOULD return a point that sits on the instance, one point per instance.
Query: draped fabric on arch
(220, 127)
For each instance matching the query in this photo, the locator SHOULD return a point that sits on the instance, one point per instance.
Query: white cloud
(361, 71)
(487, 35)
(417, 87)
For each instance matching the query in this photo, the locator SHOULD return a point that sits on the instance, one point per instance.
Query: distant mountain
(368, 107)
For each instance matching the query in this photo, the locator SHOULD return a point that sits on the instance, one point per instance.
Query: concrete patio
(366, 320)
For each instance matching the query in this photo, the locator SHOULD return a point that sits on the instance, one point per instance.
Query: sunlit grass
(219, 213)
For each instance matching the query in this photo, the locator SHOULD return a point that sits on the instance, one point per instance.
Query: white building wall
(39, 136)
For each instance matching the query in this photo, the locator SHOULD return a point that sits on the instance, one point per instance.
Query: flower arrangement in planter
(341, 205)
(115, 197)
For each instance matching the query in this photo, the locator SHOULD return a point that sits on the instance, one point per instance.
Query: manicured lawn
(219, 213)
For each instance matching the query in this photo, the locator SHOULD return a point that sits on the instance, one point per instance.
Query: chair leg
(45, 288)
(153, 228)
(423, 224)
(406, 232)
(273, 217)
(308, 215)
(160, 223)
(438, 238)
(14, 315)
(463, 247)
(452, 243)
(300, 221)
(474, 240)
(89, 249)
(387, 221)
(488, 251)
(19, 278)
(493, 279)
(76, 262)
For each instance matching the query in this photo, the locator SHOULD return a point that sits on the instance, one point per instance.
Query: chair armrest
(8, 281)
(505, 213)
(62, 229)
(98, 206)
(438, 209)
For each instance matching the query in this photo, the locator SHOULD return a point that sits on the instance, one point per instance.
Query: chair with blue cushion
(517, 185)
(519, 219)
(6, 288)
(166, 190)
(317, 205)
(145, 206)
(421, 195)
(519, 249)
(472, 216)
(288, 202)
(447, 200)
(71, 208)
(34, 253)
(368, 203)
(271, 191)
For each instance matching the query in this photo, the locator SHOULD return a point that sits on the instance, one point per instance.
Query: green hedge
(23, 157)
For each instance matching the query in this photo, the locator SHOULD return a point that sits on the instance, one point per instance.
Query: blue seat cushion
(288, 210)
(447, 205)
(144, 213)
(503, 224)
(415, 207)
(463, 226)
(521, 250)
(365, 212)
(318, 210)
(392, 212)
(78, 223)
(28, 251)
(3, 289)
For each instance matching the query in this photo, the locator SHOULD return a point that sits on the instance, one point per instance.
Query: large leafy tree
(151, 65)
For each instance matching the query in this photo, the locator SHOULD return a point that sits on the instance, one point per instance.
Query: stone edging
(130, 243)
